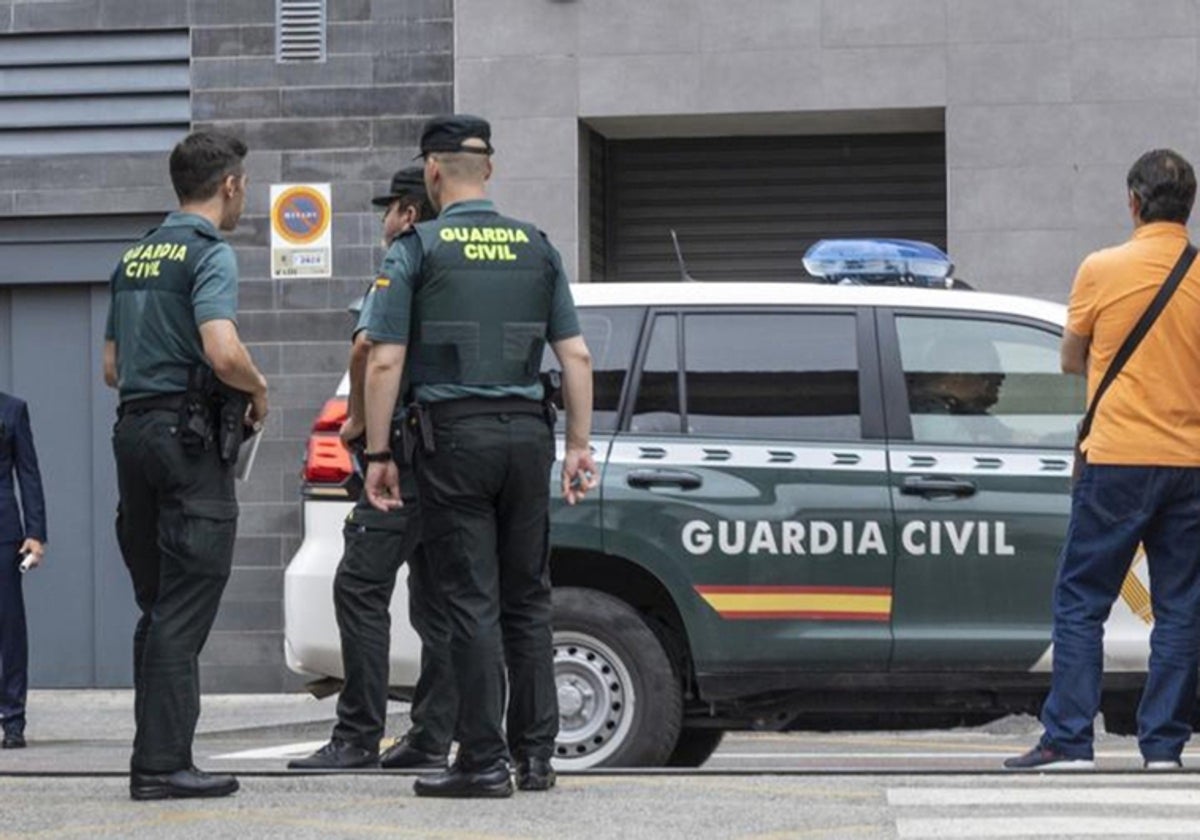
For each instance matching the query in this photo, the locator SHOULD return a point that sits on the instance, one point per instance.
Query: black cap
(448, 132)
(410, 179)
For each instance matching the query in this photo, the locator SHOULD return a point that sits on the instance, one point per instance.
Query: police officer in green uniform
(171, 329)
(377, 543)
(470, 301)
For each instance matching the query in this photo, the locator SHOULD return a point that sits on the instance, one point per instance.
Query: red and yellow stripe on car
(808, 603)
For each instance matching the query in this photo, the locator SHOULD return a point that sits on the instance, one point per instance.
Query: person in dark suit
(17, 537)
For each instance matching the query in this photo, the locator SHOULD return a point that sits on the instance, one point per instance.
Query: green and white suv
(817, 502)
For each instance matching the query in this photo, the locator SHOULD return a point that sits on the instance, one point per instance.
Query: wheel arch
(640, 589)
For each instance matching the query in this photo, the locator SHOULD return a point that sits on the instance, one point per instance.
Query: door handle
(664, 478)
(931, 486)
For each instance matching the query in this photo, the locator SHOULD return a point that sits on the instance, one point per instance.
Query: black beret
(410, 179)
(448, 132)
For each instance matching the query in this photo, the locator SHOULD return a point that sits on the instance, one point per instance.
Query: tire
(695, 746)
(1120, 714)
(620, 704)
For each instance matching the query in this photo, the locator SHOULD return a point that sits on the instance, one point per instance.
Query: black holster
(418, 430)
(231, 406)
(197, 431)
(551, 395)
(212, 414)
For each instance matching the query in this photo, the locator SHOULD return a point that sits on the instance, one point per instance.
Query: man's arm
(384, 364)
(355, 423)
(110, 363)
(1073, 354)
(231, 362)
(579, 469)
(33, 501)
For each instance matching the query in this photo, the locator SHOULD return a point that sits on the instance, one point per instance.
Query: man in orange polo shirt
(1141, 483)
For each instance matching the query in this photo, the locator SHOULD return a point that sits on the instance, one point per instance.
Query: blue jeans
(1113, 508)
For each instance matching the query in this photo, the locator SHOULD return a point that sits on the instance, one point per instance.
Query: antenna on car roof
(683, 272)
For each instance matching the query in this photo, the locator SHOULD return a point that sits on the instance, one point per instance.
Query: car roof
(788, 294)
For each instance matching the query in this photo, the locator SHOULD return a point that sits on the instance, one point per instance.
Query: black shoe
(336, 755)
(1045, 758)
(404, 756)
(182, 784)
(535, 774)
(13, 741)
(491, 782)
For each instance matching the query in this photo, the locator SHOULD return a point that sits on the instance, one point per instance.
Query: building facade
(999, 130)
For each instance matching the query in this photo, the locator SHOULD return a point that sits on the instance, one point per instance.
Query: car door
(612, 335)
(750, 478)
(981, 424)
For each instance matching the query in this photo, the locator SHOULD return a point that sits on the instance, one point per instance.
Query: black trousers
(176, 524)
(485, 500)
(14, 643)
(376, 545)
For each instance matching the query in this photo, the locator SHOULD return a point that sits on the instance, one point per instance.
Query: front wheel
(619, 703)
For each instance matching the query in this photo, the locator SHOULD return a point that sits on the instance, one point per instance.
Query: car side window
(785, 375)
(975, 381)
(656, 410)
(611, 335)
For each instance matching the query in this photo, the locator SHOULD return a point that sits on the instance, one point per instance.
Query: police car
(817, 501)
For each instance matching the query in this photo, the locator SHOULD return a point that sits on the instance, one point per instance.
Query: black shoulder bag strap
(1135, 338)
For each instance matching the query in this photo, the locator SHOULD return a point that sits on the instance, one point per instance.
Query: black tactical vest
(483, 301)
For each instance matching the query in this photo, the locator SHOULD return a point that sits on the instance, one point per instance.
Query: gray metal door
(80, 604)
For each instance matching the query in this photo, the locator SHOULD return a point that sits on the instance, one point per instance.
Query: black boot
(336, 755)
(490, 782)
(182, 784)
(535, 774)
(404, 756)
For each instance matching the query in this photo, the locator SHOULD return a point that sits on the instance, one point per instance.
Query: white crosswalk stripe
(938, 797)
(1045, 825)
(930, 813)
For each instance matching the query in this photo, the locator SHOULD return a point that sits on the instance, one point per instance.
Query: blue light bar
(901, 262)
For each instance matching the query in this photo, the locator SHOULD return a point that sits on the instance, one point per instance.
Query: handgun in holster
(196, 429)
(551, 394)
(418, 427)
(231, 406)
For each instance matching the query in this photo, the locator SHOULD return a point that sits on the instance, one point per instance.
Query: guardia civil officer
(377, 543)
(470, 300)
(171, 344)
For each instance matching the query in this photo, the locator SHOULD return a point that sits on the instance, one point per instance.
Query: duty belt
(158, 402)
(444, 412)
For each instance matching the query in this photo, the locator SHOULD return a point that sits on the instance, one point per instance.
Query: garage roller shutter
(746, 208)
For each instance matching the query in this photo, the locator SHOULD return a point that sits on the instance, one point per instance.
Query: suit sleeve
(33, 502)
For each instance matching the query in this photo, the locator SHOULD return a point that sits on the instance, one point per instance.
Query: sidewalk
(91, 730)
(107, 714)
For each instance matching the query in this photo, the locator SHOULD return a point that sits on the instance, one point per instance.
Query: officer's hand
(578, 474)
(383, 486)
(351, 430)
(258, 410)
(35, 549)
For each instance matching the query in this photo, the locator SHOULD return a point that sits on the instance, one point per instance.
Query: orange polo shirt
(1151, 413)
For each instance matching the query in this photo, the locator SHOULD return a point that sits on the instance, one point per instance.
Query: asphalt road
(759, 786)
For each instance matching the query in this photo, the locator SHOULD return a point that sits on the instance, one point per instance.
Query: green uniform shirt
(391, 311)
(181, 275)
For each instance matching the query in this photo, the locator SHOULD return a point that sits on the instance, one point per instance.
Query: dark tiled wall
(351, 120)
